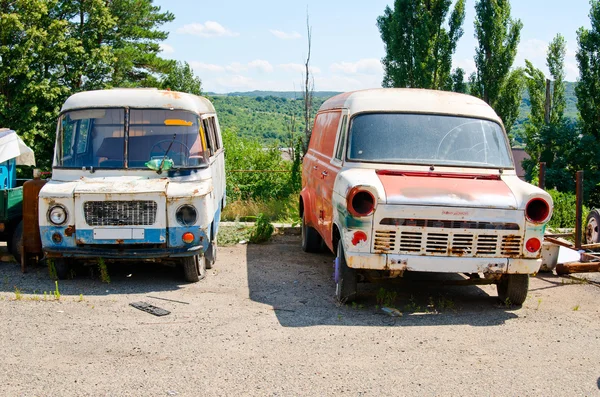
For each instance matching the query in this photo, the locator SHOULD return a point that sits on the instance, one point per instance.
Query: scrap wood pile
(586, 259)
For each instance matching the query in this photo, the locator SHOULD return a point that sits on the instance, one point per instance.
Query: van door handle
(323, 174)
(315, 168)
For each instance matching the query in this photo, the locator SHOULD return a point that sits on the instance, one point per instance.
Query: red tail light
(537, 210)
(533, 245)
(360, 202)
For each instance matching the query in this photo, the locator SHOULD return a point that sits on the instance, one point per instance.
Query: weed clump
(262, 230)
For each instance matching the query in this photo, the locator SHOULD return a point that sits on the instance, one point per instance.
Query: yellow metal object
(177, 122)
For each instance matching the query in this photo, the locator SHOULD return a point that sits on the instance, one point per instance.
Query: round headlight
(57, 215)
(186, 215)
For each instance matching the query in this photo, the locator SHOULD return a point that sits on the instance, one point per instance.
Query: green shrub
(246, 154)
(563, 215)
(262, 230)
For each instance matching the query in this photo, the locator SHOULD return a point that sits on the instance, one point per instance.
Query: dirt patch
(264, 322)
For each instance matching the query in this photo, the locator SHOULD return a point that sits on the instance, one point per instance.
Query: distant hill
(277, 94)
(266, 115)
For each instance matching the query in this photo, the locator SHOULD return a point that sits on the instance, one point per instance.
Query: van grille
(120, 213)
(448, 244)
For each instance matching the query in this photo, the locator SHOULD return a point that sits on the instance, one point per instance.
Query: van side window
(342, 139)
(213, 123)
(210, 135)
(326, 127)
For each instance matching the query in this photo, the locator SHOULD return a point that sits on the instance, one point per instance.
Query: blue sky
(261, 45)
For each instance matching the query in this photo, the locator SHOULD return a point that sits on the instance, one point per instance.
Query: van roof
(411, 100)
(138, 98)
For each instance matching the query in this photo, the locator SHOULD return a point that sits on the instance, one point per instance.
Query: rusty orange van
(401, 180)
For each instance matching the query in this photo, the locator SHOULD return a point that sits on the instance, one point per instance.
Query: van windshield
(96, 138)
(428, 139)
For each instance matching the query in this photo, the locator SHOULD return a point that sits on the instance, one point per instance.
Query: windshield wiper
(162, 163)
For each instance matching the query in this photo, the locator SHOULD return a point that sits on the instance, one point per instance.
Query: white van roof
(411, 100)
(138, 98)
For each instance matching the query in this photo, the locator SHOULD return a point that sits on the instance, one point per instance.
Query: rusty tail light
(360, 202)
(537, 210)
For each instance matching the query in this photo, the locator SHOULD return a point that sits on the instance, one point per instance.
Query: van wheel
(311, 240)
(592, 230)
(63, 268)
(345, 278)
(211, 254)
(194, 268)
(513, 288)
(16, 242)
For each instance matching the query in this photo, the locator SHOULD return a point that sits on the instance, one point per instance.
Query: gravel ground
(264, 322)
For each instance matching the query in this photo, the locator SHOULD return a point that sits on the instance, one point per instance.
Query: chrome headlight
(186, 215)
(57, 215)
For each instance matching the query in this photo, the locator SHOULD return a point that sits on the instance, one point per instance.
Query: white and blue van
(138, 174)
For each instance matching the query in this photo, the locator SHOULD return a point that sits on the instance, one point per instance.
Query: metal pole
(542, 177)
(578, 209)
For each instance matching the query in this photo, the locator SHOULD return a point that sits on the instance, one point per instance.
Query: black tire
(346, 279)
(194, 268)
(16, 243)
(513, 288)
(211, 254)
(592, 229)
(311, 240)
(63, 268)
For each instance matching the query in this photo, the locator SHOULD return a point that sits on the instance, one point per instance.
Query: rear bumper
(441, 264)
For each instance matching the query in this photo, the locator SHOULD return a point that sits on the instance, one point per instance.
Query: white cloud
(347, 83)
(166, 49)
(370, 66)
(208, 29)
(298, 68)
(262, 65)
(285, 36)
(236, 67)
(206, 67)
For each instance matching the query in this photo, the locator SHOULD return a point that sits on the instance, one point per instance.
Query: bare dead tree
(309, 88)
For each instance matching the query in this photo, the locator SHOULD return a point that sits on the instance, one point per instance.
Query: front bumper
(127, 252)
(442, 264)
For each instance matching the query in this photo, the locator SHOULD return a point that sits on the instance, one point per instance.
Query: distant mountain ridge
(276, 94)
(265, 115)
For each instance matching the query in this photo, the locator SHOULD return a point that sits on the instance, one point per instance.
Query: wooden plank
(578, 267)
(561, 242)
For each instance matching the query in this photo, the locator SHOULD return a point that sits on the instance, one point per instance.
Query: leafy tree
(498, 37)
(50, 49)
(588, 96)
(418, 45)
(549, 137)
(555, 60)
(457, 81)
(32, 43)
(181, 78)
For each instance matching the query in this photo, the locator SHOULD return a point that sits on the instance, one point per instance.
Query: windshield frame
(59, 136)
(424, 163)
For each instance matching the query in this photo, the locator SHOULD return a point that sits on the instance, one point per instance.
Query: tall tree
(549, 137)
(309, 88)
(555, 59)
(50, 49)
(588, 96)
(418, 46)
(181, 78)
(498, 36)
(32, 43)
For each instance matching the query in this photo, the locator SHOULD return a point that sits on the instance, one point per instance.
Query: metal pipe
(542, 177)
(578, 209)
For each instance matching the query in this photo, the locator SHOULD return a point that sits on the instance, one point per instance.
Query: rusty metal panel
(32, 243)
